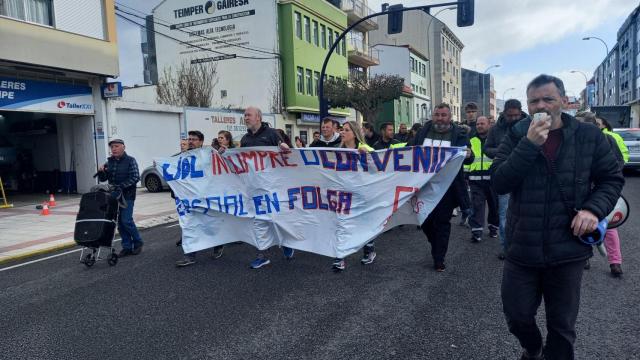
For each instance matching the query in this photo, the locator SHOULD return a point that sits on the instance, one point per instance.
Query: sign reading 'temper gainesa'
(41, 96)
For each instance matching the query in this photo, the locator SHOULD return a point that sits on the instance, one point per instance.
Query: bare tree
(188, 85)
(364, 94)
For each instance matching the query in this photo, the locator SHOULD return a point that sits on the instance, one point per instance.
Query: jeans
(522, 291)
(503, 206)
(127, 228)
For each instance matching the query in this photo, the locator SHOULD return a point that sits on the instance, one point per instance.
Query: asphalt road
(396, 308)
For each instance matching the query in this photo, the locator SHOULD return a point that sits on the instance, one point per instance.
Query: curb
(72, 243)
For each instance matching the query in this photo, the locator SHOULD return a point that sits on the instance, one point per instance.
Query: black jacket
(538, 222)
(265, 136)
(122, 172)
(458, 138)
(380, 144)
(323, 143)
(497, 133)
(373, 139)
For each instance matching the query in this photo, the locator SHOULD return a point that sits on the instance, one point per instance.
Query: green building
(307, 28)
(397, 111)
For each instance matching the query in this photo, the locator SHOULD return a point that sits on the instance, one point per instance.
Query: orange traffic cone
(45, 209)
(52, 200)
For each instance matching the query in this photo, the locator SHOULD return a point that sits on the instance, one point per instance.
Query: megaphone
(619, 215)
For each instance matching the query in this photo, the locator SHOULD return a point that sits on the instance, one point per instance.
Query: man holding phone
(546, 163)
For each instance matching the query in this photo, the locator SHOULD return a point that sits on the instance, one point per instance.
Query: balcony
(359, 53)
(356, 10)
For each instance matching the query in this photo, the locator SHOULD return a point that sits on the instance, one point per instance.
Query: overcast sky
(525, 37)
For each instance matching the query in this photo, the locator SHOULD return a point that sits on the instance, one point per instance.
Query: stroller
(96, 222)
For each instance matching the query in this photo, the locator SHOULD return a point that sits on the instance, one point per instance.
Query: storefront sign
(41, 96)
(212, 121)
(315, 118)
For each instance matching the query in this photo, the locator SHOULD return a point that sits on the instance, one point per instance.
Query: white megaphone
(620, 213)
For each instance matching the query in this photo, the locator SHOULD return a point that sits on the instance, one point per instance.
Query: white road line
(177, 224)
(45, 258)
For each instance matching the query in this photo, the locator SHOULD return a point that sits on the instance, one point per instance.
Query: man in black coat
(510, 116)
(437, 226)
(329, 137)
(551, 166)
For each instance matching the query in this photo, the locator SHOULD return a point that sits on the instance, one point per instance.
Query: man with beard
(437, 227)
(511, 115)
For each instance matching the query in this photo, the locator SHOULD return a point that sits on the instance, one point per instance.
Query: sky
(525, 37)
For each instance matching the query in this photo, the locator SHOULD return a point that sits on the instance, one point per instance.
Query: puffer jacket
(538, 222)
(497, 133)
(458, 138)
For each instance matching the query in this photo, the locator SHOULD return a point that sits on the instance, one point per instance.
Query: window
(289, 130)
(330, 36)
(36, 11)
(338, 47)
(309, 82)
(303, 136)
(323, 36)
(417, 111)
(298, 25)
(315, 33)
(307, 29)
(344, 47)
(316, 80)
(300, 80)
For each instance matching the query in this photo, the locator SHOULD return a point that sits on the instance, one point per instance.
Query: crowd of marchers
(538, 181)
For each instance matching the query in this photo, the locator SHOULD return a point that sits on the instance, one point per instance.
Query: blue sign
(315, 118)
(32, 95)
(110, 90)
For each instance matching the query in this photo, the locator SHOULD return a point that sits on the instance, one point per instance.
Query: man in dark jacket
(328, 136)
(121, 170)
(370, 135)
(403, 135)
(437, 226)
(510, 116)
(386, 139)
(260, 134)
(470, 116)
(550, 166)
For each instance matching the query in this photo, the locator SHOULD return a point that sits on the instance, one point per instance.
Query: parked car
(152, 179)
(631, 138)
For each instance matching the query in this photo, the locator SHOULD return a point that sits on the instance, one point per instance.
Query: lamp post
(602, 41)
(482, 82)
(429, 49)
(504, 93)
(585, 85)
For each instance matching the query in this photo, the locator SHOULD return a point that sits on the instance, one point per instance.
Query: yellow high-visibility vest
(481, 161)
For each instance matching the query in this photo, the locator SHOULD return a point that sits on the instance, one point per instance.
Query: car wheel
(152, 183)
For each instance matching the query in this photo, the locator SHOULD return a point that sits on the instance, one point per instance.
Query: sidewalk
(24, 232)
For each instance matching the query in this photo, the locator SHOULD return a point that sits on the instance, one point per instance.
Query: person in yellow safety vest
(480, 183)
(604, 125)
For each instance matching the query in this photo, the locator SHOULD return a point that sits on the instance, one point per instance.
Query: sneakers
(368, 258)
(259, 262)
(439, 267)
(217, 251)
(493, 232)
(587, 265)
(616, 270)
(454, 213)
(338, 265)
(476, 238)
(463, 219)
(186, 261)
(125, 252)
(287, 252)
(527, 356)
(136, 250)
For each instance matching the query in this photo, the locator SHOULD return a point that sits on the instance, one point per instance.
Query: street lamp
(484, 109)
(429, 48)
(586, 81)
(504, 93)
(602, 41)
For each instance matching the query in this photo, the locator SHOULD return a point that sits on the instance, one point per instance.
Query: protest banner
(322, 200)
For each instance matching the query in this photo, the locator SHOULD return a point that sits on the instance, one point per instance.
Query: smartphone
(540, 116)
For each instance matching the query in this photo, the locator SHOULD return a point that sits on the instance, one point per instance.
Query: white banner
(326, 201)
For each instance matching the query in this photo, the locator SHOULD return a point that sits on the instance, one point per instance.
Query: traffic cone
(52, 200)
(45, 209)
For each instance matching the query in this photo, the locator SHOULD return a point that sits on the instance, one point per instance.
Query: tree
(366, 95)
(189, 85)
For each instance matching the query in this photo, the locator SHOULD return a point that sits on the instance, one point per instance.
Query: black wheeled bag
(96, 220)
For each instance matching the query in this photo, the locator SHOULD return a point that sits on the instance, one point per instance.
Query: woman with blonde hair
(353, 138)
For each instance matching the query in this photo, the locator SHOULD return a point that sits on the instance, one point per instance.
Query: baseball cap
(116, 141)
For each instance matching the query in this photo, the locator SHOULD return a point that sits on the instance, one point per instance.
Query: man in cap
(121, 171)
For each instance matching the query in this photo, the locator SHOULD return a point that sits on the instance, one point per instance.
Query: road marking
(45, 258)
(177, 224)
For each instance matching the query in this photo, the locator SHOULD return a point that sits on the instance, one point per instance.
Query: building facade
(55, 57)
(478, 88)
(441, 49)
